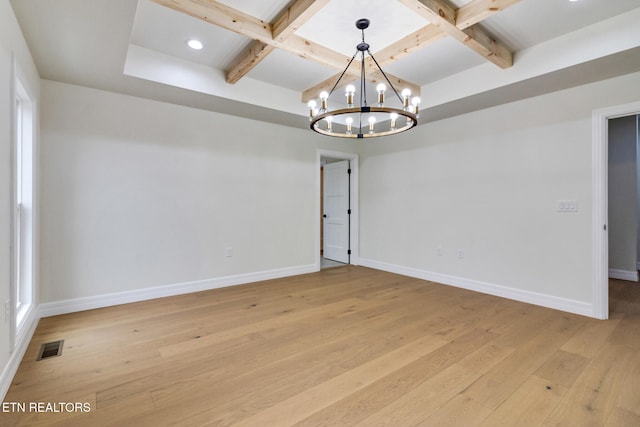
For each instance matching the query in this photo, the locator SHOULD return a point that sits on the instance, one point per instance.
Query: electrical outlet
(439, 250)
(228, 251)
(460, 253)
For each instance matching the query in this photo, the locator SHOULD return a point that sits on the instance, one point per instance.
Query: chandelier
(364, 121)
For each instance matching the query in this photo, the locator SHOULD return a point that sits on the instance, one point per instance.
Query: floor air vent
(50, 349)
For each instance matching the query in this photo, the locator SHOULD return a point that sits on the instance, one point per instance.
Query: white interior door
(336, 211)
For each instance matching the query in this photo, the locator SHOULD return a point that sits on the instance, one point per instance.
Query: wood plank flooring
(346, 346)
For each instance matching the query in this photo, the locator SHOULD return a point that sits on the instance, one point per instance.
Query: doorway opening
(337, 196)
(624, 138)
(600, 227)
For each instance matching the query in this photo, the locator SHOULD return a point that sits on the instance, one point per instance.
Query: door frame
(337, 245)
(600, 214)
(353, 202)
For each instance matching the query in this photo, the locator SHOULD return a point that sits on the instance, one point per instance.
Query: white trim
(355, 202)
(20, 88)
(638, 265)
(32, 313)
(12, 214)
(116, 298)
(599, 234)
(22, 343)
(631, 276)
(544, 300)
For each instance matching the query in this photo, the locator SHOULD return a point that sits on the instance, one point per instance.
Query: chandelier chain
(363, 82)
(385, 75)
(343, 73)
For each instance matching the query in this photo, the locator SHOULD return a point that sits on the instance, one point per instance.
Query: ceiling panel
(528, 23)
(435, 62)
(302, 71)
(164, 30)
(334, 26)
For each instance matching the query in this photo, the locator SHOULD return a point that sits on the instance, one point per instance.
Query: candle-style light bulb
(394, 117)
(312, 109)
(329, 120)
(372, 122)
(406, 94)
(350, 91)
(349, 122)
(381, 88)
(416, 105)
(324, 96)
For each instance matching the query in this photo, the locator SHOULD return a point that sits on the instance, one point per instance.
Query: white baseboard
(106, 300)
(536, 298)
(22, 343)
(632, 276)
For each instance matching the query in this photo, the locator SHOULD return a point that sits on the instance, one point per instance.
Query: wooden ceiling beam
(479, 10)
(441, 14)
(226, 17)
(315, 52)
(460, 24)
(414, 41)
(293, 17)
(223, 16)
(409, 44)
(468, 15)
(287, 22)
(247, 60)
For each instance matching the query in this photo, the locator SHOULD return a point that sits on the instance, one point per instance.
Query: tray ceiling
(133, 46)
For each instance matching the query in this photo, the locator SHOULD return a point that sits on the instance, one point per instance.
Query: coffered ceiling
(265, 59)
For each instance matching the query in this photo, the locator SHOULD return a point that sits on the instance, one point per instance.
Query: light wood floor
(345, 346)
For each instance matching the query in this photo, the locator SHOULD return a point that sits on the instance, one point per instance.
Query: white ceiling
(139, 48)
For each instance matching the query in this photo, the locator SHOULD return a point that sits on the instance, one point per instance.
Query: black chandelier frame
(357, 126)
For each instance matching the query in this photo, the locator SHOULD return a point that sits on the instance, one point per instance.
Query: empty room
(320, 213)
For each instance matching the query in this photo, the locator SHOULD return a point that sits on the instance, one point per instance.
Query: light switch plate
(568, 205)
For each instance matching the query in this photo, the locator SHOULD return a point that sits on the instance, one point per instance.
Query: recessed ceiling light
(195, 44)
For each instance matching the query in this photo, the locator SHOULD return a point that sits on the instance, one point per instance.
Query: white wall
(637, 117)
(489, 183)
(623, 218)
(139, 194)
(15, 59)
